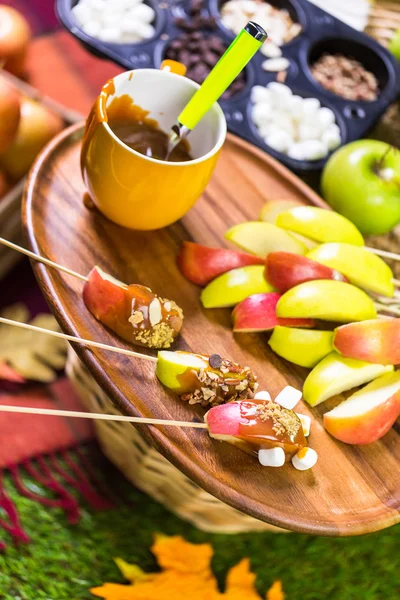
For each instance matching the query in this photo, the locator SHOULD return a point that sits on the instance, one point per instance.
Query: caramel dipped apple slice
(256, 425)
(133, 312)
(204, 379)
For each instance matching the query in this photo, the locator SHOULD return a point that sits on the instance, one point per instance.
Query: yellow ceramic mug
(134, 190)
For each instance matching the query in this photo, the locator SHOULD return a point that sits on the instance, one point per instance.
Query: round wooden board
(352, 490)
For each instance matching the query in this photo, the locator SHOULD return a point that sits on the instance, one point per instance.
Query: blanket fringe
(55, 472)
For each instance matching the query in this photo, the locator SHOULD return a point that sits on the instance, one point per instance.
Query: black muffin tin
(320, 33)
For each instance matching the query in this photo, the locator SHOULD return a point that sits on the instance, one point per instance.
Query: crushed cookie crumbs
(159, 336)
(286, 422)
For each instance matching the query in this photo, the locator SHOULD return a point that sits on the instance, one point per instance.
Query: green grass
(63, 562)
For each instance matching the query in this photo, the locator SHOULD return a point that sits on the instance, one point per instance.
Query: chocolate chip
(215, 361)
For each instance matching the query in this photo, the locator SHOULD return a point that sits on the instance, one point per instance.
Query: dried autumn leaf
(275, 592)
(33, 355)
(186, 575)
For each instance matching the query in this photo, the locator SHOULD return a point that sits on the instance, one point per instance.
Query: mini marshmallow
(305, 423)
(142, 12)
(276, 64)
(261, 113)
(325, 116)
(310, 106)
(262, 396)
(260, 94)
(272, 457)
(279, 140)
(288, 397)
(270, 50)
(331, 138)
(280, 90)
(305, 459)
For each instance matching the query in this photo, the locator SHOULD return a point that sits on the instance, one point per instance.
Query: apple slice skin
(114, 303)
(234, 286)
(327, 300)
(335, 374)
(258, 313)
(374, 341)
(260, 238)
(320, 225)
(285, 270)
(201, 264)
(372, 424)
(305, 348)
(360, 266)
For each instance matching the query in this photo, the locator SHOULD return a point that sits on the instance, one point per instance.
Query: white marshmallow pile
(119, 21)
(306, 458)
(299, 127)
(277, 22)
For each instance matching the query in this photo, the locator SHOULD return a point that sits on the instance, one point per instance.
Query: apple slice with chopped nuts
(201, 264)
(258, 313)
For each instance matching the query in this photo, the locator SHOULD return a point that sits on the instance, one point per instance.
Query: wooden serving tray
(352, 490)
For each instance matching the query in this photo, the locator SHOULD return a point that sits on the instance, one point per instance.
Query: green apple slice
(301, 347)
(174, 369)
(234, 286)
(360, 266)
(336, 374)
(328, 300)
(260, 238)
(320, 225)
(273, 208)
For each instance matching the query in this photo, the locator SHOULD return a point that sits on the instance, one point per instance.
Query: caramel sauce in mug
(132, 126)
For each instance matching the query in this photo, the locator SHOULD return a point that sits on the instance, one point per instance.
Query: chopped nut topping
(136, 318)
(285, 421)
(155, 314)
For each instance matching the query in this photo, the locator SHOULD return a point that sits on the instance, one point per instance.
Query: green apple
(234, 286)
(320, 225)
(360, 266)
(260, 238)
(394, 45)
(328, 300)
(362, 182)
(175, 370)
(301, 347)
(336, 374)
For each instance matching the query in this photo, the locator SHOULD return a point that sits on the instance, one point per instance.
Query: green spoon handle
(231, 63)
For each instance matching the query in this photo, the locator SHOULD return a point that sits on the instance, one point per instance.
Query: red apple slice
(103, 293)
(285, 270)
(368, 414)
(375, 341)
(258, 313)
(201, 264)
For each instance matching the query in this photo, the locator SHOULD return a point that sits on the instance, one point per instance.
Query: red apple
(10, 112)
(103, 293)
(37, 127)
(375, 341)
(368, 414)
(258, 313)
(4, 185)
(285, 270)
(201, 264)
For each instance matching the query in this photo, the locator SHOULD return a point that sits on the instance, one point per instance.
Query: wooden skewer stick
(41, 259)
(72, 338)
(384, 253)
(98, 416)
